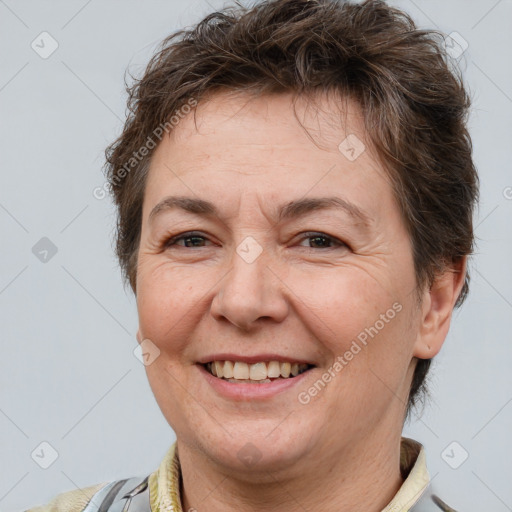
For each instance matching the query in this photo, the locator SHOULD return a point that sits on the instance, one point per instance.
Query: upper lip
(258, 358)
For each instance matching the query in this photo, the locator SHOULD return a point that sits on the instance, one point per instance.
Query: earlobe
(437, 307)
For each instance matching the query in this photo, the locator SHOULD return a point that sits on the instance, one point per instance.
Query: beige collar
(415, 474)
(164, 483)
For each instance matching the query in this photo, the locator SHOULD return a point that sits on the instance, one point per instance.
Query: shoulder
(100, 497)
(71, 501)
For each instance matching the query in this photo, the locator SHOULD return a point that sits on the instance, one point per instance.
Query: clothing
(160, 491)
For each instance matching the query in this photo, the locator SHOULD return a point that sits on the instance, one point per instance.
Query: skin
(300, 298)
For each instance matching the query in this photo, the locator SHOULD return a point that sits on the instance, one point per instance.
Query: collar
(164, 483)
(414, 471)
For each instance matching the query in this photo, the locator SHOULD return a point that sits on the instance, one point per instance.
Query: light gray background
(68, 375)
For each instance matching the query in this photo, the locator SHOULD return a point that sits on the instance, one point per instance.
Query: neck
(362, 476)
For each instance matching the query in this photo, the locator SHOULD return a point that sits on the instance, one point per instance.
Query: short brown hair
(413, 100)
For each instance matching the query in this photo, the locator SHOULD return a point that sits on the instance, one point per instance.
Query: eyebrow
(291, 210)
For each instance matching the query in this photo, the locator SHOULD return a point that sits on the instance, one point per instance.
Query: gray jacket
(132, 495)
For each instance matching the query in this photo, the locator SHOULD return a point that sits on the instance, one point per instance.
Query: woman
(295, 191)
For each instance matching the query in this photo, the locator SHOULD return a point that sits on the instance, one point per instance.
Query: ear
(437, 307)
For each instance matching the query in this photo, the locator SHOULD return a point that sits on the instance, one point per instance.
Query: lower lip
(244, 391)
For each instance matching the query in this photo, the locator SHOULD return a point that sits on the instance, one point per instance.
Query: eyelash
(193, 234)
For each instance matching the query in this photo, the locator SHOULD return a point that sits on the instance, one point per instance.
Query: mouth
(263, 372)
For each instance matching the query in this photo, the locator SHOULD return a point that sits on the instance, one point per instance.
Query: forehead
(271, 148)
(274, 121)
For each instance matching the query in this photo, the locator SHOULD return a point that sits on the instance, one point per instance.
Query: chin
(257, 446)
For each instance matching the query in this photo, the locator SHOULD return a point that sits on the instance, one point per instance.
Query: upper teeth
(257, 371)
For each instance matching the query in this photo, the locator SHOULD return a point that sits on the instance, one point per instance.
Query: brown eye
(190, 240)
(322, 241)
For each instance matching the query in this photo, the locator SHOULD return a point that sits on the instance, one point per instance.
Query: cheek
(342, 303)
(365, 327)
(168, 303)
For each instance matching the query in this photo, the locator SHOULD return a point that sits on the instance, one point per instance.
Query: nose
(249, 293)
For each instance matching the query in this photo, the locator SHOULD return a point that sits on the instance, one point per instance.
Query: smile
(257, 373)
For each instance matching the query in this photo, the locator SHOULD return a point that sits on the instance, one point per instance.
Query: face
(278, 247)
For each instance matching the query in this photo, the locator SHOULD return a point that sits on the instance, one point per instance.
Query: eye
(190, 239)
(323, 241)
(194, 239)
